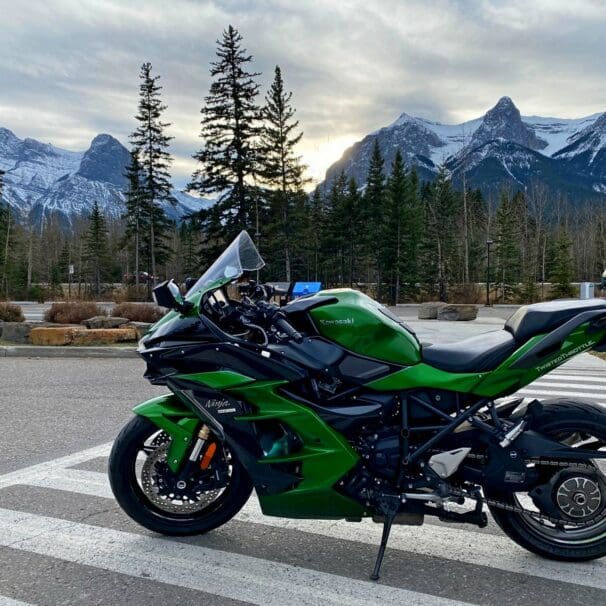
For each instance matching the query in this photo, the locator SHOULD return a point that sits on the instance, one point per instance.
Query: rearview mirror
(167, 294)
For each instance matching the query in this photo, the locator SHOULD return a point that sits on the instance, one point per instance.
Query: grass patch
(598, 354)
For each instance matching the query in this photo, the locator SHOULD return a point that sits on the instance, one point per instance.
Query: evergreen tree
(151, 146)
(403, 228)
(561, 274)
(373, 215)
(230, 127)
(439, 237)
(280, 169)
(509, 237)
(96, 249)
(137, 215)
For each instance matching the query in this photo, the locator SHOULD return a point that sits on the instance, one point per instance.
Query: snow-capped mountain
(501, 148)
(43, 180)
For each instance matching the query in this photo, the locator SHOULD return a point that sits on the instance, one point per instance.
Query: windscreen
(240, 256)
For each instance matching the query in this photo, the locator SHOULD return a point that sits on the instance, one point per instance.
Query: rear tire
(124, 481)
(558, 419)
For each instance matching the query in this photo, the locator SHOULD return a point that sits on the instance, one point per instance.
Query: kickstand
(384, 538)
(388, 506)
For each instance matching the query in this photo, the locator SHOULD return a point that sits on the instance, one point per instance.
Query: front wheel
(152, 495)
(573, 494)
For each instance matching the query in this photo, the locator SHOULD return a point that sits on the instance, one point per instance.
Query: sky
(69, 68)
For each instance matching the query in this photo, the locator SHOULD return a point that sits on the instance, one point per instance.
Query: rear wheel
(574, 494)
(152, 495)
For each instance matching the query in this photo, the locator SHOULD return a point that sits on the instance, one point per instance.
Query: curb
(32, 351)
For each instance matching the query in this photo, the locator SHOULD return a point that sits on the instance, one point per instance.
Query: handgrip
(283, 325)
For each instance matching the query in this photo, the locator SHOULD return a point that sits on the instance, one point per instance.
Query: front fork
(188, 438)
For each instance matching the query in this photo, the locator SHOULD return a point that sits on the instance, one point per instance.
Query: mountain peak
(504, 121)
(105, 160)
(504, 103)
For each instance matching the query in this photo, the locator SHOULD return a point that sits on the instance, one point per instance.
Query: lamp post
(488, 245)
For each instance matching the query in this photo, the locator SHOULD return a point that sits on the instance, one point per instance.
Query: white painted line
(91, 483)
(564, 384)
(579, 377)
(494, 551)
(217, 572)
(20, 476)
(569, 394)
(10, 602)
(497, 552)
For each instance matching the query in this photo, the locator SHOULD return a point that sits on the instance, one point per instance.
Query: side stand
(388, 506)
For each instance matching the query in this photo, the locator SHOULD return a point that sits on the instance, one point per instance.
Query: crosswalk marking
(10, 602)
(244, 577)
(450, 543)
(222, 573)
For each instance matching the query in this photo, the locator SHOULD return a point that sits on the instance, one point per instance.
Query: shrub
(138, 312)
(9, 312)
(72, 312)
(36, 293)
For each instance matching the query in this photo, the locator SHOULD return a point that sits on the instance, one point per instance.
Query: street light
(488, 245)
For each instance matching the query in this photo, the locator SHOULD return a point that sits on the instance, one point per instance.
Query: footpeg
(512, 434)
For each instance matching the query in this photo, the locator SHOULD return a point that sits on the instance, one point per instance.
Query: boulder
(105, 336)
(458, 312)
(429, 311)
(55, 335)
(17, 332)
(104, 322)
(69, 335)
(140, 327)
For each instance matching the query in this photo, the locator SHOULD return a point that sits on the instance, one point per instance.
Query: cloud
(69, 69)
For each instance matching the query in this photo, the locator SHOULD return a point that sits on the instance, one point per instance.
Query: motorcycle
(331, 408)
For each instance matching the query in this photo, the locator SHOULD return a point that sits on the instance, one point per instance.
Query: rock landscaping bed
(437, 310)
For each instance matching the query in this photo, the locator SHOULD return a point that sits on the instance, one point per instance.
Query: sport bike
(331, 408)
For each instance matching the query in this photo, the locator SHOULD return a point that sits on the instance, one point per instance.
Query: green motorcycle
(330, 407)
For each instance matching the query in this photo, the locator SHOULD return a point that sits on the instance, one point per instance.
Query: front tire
(137, 440)
(575, 423)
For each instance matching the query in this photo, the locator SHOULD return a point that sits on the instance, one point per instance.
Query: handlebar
(283, 325)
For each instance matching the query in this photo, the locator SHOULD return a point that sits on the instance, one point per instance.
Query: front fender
(180, 423)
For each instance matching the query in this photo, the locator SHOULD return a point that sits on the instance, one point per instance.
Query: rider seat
(476, 354)
(541, 318)
(485, 352)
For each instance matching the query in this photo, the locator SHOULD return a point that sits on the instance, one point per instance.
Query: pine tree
(373, 214)
(439, 237)
(136, 216)
(279, 168)
(96, 248)
(509, 236)
(151, 146)
(230, 127)
(561, 274)
(403, 228)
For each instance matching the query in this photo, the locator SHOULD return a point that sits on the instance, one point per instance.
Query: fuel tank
(360, 324)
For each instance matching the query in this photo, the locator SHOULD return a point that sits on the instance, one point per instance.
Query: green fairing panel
(356, 322)
(326, 456)
(167, 413)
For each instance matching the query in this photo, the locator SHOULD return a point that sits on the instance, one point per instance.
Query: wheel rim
(158, 485)
(575, 496)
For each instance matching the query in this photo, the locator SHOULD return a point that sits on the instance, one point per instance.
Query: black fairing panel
(207, 357)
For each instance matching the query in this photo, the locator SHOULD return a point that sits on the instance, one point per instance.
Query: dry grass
(73, 312)
(138, 312)
(599, 354)
(9, 312)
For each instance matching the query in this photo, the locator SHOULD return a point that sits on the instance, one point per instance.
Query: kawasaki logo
(344, 322)
(565, 356)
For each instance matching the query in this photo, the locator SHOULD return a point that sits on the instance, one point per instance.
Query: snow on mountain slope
(43, 180)
(496, 146)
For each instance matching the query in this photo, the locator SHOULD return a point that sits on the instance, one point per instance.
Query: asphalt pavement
(63, 540)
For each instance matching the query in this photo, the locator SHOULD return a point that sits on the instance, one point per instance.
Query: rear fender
(180, 423)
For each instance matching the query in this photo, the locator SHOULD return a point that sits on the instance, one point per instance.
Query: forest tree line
(396, 237)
